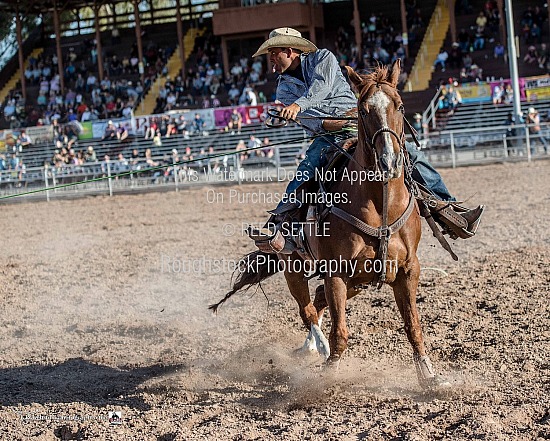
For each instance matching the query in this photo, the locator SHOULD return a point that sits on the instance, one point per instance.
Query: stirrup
(471, 219)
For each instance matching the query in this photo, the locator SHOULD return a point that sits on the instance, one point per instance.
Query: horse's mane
(372, 81)
(377, 76)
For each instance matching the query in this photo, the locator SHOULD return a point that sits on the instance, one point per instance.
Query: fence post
(505, 143)
(238, 166)
(54, 181)
(433, 115)
(175, 174)
(453, 158)
(277, 158)
(46, 182)
(528, 143)
(109, 175)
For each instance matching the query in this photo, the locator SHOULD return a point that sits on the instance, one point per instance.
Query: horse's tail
(252, 269)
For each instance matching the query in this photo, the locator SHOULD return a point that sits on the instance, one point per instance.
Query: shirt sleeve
(322, 80)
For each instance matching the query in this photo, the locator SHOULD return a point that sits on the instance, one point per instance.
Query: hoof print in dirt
(167, 437)
(65, 433)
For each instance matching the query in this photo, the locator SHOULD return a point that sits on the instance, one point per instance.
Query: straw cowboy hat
(286, 37)
(532, 110)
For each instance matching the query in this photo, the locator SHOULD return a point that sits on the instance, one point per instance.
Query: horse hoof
(436, 383)
(333, 362)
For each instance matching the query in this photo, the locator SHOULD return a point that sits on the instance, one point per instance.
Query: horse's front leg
(336, 295)
(404, 289)
(315, 341)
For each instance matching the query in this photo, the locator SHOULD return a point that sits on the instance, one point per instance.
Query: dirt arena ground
(101, 312)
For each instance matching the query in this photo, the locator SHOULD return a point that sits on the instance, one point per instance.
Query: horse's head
(381, 116)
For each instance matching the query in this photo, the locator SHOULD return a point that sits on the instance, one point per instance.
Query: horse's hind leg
(404, 289)
(299, 289)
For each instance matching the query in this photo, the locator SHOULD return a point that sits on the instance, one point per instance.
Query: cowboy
(533, 119)
(311, 84)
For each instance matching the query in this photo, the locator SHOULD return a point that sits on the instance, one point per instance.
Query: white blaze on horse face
(380, 102)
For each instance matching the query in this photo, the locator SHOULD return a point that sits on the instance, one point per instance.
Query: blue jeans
(315, 159)
(423, 172)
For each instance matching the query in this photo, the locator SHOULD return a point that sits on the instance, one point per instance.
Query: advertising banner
(475, 92)
(86, 130)
(537, 88)
(38, 134)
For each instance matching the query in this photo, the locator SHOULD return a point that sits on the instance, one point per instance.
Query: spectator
(110, 132)
(134, 159)
(454, 98)
(498, 94)
(90, 82)
(534, 34)
(441, 59)
(122, 132)
(499, 50)
(14, 123)
(479, 38)
(475, 73)
(197, 126)
(420, 126)
(511, 129)
(157, 139)
(253, 144)
(71, 134)
(531, 56)
(533, 119)
(239, 148)
(267, 151)
(481, 20)
(149, 159)
(215, 101)
(181, 126)
(543, 56)
(90, 155)
(23, 140)
(151, 129)
(233, 95)
(464, 40)
(235, 119)
(508, 94)
(121, 165)
(455, 56)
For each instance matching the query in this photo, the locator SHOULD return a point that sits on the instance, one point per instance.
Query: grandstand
(159, 39)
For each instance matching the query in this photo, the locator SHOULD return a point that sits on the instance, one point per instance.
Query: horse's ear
(355, 78)
(395, 71)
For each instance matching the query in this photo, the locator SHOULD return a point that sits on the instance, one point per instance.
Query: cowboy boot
(457, 221)
(270, 239)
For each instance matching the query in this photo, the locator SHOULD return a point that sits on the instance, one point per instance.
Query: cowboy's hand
(290, 112)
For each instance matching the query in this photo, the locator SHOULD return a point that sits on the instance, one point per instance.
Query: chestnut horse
(357, 244)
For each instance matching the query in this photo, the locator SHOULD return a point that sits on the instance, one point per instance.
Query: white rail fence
(443, 149)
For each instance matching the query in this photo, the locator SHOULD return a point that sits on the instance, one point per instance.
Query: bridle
(371, 141)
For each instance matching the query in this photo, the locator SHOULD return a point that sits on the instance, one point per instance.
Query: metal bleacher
(477, 115)
(287, 143)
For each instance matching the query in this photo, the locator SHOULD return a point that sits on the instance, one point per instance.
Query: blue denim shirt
(324, 93)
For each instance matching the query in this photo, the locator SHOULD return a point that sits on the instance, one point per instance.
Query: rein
(385, 231)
